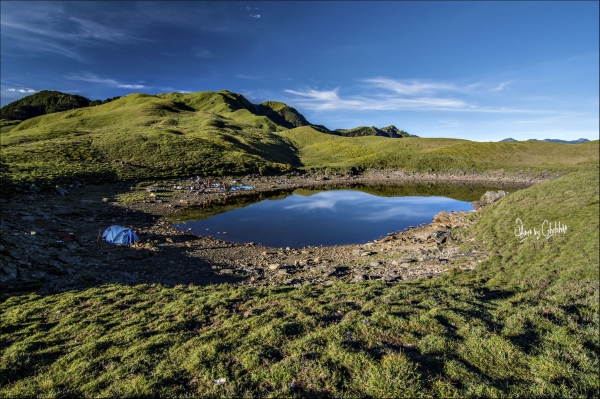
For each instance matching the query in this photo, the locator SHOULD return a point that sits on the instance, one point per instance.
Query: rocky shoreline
(50, 241)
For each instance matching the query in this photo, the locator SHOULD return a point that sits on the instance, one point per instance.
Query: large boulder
(489, 198)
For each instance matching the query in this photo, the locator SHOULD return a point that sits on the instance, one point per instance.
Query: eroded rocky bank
(50, 240)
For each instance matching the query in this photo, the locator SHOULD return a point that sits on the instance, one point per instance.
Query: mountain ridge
(388, 131)
(578, 141)
(278, 114)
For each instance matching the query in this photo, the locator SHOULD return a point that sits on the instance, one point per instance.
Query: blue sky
(476, 70)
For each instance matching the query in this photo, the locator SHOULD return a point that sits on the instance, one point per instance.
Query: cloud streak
(328, 100)
(502, 85)
(46, 27)
(411, 87)
(22, 90)
(385, 94)
(91, 78)
(204, 53)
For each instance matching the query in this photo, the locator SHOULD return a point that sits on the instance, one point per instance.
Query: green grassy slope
(145, 136)
(142, 136)
(317, 150)
(524, 323)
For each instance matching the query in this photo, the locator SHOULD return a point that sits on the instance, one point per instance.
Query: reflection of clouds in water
(395, 213)
(325, 200)
(404, 207)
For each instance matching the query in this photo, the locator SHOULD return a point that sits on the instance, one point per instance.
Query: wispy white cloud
(330, 100)
(241, 76)
(254, 16)
(88, 77)
(46, 27)
(21, 90)
(411, 87)
(425, 95)
(202, 52)
(127, 86)
(502, 85)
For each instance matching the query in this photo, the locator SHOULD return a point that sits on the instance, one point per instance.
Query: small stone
(169, 239)
(360, 277)
(61, 190)
(390, 277)
(274, 266)
(226, 271)
(375, 263)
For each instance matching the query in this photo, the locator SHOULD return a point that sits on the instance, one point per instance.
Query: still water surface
(312, 218)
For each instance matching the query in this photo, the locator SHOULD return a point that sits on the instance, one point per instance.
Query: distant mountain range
(279, 115)
(578, 141)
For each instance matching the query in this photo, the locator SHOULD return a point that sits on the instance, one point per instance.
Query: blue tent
(119, 235)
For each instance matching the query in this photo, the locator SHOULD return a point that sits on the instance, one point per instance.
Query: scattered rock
(489, 198)
(61, 190)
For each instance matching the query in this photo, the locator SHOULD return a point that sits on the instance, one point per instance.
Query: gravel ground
(50, 241)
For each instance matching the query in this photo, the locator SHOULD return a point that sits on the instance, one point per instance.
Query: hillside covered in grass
(46, 102)
(170, 135)
(524, 323)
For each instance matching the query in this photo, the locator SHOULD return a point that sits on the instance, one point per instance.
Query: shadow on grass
(26, 364)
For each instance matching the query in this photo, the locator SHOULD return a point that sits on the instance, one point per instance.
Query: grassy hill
(524, 323)
(146, 136)
(388, 131)
(41, 103)
(317, 150)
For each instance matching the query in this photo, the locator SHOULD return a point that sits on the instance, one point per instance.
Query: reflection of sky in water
(326, 218)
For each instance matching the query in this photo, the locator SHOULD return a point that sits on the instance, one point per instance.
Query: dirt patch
(50, 240)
